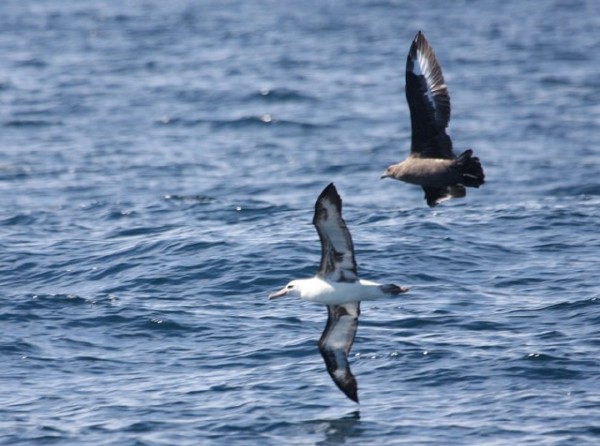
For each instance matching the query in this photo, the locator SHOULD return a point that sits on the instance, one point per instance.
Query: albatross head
(291, 289)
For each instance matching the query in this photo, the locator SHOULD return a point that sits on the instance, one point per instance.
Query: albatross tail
(393, 289)
(470, 169)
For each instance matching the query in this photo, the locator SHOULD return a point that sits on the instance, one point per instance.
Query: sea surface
(159, 164)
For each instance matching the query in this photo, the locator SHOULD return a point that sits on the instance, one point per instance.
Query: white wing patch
(422, 66)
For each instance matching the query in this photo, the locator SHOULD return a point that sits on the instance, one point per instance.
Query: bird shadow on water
(338, 430)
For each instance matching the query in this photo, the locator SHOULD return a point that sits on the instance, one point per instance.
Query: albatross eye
(289, 287)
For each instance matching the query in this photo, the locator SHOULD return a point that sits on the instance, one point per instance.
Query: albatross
(337, 285)
(432, 163)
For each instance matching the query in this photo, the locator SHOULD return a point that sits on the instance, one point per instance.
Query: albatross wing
(336, 342)
(428, 100)
(337, 251)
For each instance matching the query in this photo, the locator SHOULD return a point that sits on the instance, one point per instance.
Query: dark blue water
(159, 163)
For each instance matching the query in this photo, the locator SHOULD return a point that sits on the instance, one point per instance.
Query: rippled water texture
(159, 163)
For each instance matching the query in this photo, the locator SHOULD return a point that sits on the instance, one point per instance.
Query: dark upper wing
(336, 342)
(428, 100)
(337, 250)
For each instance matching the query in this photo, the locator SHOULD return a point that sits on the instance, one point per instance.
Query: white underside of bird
(323, 291)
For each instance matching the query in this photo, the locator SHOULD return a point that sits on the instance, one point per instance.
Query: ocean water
(159, 163)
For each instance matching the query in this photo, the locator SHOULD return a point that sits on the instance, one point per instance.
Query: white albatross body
(337, 286)
(323, 291)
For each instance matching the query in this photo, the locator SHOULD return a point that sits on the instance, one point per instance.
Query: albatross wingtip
(348, 387)
(330, 193)
(354, 396)
(329, 189)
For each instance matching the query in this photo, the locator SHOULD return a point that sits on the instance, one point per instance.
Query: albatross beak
(385, 175)
(282, 292)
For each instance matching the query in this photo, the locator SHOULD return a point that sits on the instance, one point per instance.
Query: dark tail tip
(470, 169)
(394, 289)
